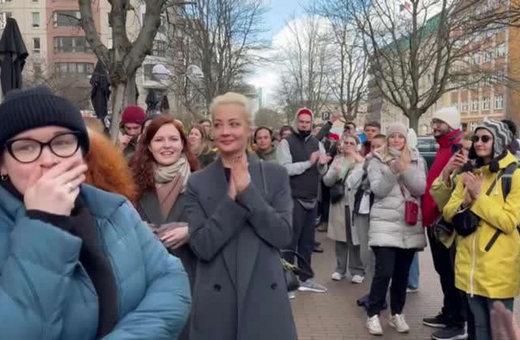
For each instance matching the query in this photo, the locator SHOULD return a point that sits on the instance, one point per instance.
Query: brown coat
(108, 169)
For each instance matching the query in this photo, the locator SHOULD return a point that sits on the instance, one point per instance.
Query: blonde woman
(397, 176)
(342, 227)
(240, 214)
(200, 145)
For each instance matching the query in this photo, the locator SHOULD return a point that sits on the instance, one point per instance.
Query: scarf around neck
(170, 182)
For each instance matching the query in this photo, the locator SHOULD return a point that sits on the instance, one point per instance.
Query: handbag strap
(495, 181)
(297, 270)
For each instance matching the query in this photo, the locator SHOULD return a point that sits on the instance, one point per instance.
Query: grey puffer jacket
(387, 224)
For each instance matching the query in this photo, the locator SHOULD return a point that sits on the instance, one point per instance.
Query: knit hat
(304, 111)
(133, 115)
(502, 135)
(449, 115)
(22, 110)
(397, 128)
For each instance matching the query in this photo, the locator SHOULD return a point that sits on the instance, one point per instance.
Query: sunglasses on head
(484, 139)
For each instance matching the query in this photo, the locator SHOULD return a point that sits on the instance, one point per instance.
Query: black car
(427, 147)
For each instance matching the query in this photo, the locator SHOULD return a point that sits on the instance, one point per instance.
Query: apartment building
(60, 56)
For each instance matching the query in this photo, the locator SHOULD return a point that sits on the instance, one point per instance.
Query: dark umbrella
(100, 90)
(13, 54)
(165, 104)
(151, 101)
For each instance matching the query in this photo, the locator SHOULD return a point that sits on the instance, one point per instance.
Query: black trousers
(304, 232)
(391, 263)
(454, 306)
(325, 202)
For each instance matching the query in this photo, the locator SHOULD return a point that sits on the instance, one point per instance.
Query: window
(488, 55)
(474, 105)
(148, 72)
(4, 1)
(476, 58)
(464, 107)
(159, 48)
(3, 18)
(501, 51)
(66, 18)
(499, 102)
(71, 45)
(34, 1)
(485, 104)
(36, 45)
(36, 19)
(74, 69)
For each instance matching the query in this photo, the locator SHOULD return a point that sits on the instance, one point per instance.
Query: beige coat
(337, 230)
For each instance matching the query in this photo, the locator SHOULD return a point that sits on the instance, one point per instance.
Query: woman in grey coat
(240, 214)
(396, 175)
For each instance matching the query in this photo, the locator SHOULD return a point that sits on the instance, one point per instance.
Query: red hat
(133, 115)
(304, 111)
(333, 136)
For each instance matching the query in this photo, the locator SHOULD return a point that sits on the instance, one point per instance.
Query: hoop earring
(4, 178)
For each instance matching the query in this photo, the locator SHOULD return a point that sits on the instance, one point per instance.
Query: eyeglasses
(28, 150)
(436, 122)
(485, 139)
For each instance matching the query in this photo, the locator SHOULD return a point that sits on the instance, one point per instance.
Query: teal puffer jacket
(46, 294)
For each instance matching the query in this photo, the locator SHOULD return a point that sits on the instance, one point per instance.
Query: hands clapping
(240, 178)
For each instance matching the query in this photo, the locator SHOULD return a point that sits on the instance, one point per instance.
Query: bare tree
(348, 77)
(222, 38)
(270, 118)
(126, 56)
(305, 60)
(420, 49)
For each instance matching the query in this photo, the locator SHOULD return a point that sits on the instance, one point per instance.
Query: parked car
(427, 147)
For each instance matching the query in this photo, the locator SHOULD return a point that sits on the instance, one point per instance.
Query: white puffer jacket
(387, 224)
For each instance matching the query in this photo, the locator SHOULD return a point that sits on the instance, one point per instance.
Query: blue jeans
(480, 307)
(413, 279)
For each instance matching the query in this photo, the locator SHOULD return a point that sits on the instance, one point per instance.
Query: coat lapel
(216, 182)
(151, 208)
(248, 242)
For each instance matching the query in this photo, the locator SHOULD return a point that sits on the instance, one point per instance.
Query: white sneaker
(291, 295)
(374, 326)
(399, 323)
(337, 276)
(311, 286)
(411, 290)
(358, 279)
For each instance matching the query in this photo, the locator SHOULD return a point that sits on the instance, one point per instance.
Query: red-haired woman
(161, 168)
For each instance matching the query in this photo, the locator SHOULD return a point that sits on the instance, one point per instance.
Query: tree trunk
(118, 103)
(131, 94)
(413, 117)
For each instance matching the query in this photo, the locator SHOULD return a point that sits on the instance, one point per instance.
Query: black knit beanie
(22, 110)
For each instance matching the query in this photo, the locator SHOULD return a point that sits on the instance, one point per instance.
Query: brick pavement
(335, 315)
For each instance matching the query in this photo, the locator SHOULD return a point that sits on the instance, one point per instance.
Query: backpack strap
(507, 179)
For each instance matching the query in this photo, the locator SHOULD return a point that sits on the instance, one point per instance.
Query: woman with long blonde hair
(397, 180)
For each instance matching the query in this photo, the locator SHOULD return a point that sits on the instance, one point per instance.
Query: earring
(4, 178)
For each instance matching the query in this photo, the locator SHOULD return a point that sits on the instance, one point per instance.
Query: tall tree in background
(126, 56)
(270, 118)
(222, 38)
(348, 77)
(305, 60)
(419, 49)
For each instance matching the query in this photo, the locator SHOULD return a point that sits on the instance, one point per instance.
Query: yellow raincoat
(493, 272)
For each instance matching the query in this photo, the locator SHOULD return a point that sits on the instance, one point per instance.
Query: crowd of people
(177, 233)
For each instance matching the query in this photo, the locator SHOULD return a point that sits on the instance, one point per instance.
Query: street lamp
(161, 73)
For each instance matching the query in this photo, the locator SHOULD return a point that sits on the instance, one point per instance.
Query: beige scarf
(170, 181)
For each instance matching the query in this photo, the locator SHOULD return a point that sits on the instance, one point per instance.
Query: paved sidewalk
(335, 315)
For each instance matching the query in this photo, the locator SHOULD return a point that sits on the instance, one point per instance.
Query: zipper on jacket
(492, 240)
(473, 260)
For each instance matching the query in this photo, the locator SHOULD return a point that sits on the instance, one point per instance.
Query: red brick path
(335, 315)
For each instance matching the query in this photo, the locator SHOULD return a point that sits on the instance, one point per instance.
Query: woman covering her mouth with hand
(76, 262)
